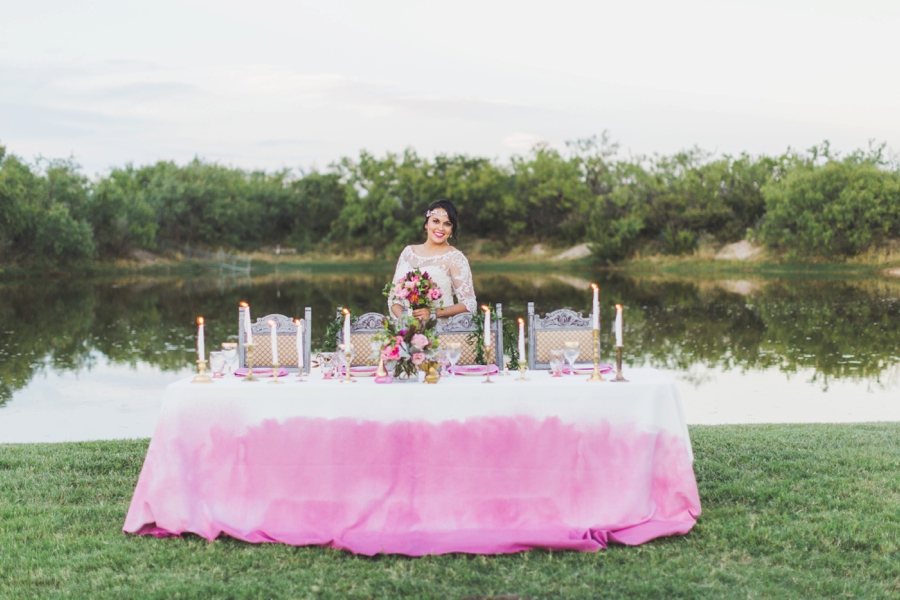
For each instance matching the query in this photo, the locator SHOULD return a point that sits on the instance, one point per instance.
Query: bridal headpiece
(438, 211)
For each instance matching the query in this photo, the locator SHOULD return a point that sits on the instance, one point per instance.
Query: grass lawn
(789, 511)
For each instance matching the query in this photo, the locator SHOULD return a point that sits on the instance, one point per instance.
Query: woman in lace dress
(446, 265)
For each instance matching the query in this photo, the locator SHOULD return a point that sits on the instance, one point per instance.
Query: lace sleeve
(403, 267)
(461, 275)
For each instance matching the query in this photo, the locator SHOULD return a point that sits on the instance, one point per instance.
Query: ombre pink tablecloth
(421, 469)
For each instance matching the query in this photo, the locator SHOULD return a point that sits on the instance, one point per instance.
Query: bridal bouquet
(417, 288)
(408, 344)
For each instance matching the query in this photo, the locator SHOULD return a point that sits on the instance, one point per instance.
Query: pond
(89, 358)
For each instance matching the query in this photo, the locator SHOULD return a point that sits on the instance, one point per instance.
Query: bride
(446, 265)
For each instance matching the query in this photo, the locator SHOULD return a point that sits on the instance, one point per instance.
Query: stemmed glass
(229, 352)
(454, 352)
(443, 360)
(571, 352)
(556, 361)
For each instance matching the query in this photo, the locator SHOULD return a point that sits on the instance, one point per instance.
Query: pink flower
(409, 285)
(419, 341)
(399, 338)
(403, 293)
(415, 279)
(418, 358)
(435, 293)
(390, 353)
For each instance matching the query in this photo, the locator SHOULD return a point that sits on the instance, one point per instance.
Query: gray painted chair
(459, 327)
(552, 331)
(362, 335)
(286, 337)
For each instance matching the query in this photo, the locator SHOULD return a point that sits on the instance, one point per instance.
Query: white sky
(297, 84)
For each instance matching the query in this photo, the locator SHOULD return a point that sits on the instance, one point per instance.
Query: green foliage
(836, 209)
(36, 225)
(811, 205)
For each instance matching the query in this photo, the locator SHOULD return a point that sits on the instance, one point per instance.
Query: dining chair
(460, 328)
(286, 338)
(553, 330)
(362, 335)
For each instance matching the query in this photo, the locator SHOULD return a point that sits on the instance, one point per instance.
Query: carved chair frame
(284, 326)
(563, 319)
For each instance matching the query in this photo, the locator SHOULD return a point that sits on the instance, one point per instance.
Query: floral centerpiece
(408, 344)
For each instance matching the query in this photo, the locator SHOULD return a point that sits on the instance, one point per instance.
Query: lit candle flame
(244, 305)
(271, 323)
(296, 321)
(619, 306)
(199, 320)
(484, 308)
(346, 311)
(521, 321)
(595, 286)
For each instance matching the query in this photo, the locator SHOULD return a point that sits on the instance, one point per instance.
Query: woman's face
(439, 228)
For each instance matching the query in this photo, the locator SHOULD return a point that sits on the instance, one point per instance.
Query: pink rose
(419, 340)
(403, 293)
(415, 279)
(418, 358)
(435, 293)
(390, 353)
(409, 285)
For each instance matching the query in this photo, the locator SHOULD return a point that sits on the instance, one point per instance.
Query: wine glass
(454, 352)
(571, 352)
(556, 361)
(229, 353)
(443, 360)
(217, 362)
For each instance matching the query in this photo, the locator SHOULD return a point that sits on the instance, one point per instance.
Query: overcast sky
(300, 84)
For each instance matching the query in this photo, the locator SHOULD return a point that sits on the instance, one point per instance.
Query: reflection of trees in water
(838, 329)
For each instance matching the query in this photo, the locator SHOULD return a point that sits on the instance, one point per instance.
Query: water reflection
(825, 329)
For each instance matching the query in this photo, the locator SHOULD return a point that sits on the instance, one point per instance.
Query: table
(421, 469)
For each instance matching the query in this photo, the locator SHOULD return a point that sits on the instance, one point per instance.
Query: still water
(89, 358)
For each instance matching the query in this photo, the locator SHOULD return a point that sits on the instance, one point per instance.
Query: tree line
(804, 205)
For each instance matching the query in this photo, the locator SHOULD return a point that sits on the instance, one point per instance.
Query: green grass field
(789, 511)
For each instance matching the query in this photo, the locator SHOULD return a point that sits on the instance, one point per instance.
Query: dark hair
(451, 214)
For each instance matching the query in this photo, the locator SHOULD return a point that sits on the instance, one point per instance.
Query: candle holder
(299, 378)
(522, 369)
(348, 355)
(275, 374)
(596, 376)
(487, 359)
(249, 376)
(201, 376)
(619, 377)
(381, 372)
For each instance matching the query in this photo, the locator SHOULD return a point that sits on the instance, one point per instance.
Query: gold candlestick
(348, 354)
(299, 378)
(381, 372)
(249, 376)
(487, 359)
(275, 374)
(596, 376)
(521, 376)
(201, 376)
(619, 377)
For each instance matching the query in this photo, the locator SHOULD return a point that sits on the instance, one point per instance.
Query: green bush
(837, 209)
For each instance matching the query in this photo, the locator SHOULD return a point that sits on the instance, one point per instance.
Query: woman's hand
(422, 314)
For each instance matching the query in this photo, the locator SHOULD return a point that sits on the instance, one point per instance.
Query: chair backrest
(459, 328)
(286, 338)
(552, 331)
(362, 335)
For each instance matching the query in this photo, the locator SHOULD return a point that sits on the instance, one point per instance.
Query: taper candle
(249, 340)
(521, 341)
(487, 327)
(595, 307)
(347, 345)
(618, 325)
(299, 324)
(201, 346)
(274, 339)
